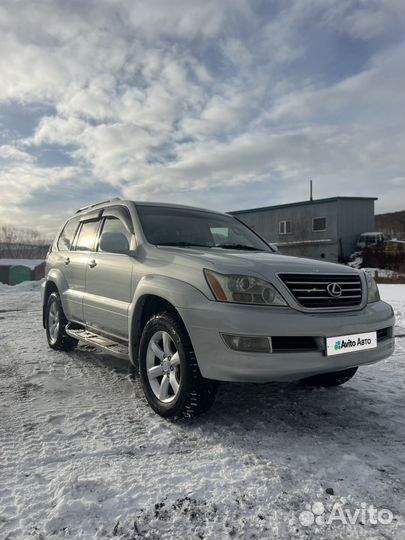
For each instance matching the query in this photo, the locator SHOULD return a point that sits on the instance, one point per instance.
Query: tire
(335, 378)
(56, 335)
(176, 389)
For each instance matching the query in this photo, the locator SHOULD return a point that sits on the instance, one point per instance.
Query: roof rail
(96, 204)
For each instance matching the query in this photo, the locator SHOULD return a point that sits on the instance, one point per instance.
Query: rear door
(73, 270)
(76, 263)
(108, 280)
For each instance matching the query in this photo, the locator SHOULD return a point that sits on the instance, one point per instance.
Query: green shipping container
(4, 271)
(18, 274)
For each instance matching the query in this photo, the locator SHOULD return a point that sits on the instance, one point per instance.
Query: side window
(284, 227)
(87, 236)
(67, 235)
(319, 224)
(114, 225)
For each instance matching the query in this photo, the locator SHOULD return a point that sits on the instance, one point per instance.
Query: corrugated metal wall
(354, 217)
(345, 220)
(266, 222)
(323, 251)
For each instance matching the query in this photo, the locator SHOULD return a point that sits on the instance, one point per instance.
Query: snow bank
(25, 286)
(395, 295)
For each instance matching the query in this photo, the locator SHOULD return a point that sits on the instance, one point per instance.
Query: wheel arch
(50, 287)
(147, 305)
(55, 282)
(161, 292)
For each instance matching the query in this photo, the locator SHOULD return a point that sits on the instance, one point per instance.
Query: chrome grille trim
(320, 282)
(326, 297)
(310, 290)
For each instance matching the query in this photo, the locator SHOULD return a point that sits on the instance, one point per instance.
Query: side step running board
(109, 346)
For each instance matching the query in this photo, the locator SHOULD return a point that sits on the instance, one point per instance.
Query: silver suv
(193, 297)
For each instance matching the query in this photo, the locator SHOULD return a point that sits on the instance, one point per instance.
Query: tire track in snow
(31, 449)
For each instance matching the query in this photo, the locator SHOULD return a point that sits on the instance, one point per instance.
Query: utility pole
(310, 191)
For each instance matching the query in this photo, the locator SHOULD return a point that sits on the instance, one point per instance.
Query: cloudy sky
(226, 104)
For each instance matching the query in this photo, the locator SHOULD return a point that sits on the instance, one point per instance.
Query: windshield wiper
(238, 246)
(182, 244)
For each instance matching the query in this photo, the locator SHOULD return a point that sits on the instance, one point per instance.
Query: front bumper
(217, 361)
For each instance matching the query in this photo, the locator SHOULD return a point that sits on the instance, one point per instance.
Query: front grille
(311, 290)
(293, 343)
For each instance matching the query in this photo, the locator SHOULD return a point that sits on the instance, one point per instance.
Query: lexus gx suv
(192, 297)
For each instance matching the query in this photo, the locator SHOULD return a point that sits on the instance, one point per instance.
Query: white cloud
(365, 19)
(18, 182)
(185, 19)
(58, 130)
(29, 72)
(188, 99)
(11, 153)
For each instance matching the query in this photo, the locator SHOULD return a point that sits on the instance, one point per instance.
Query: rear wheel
(335, 378)
(55, 325)
(170, 376)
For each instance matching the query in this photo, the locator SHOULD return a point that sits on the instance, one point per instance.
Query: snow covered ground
(83, 456)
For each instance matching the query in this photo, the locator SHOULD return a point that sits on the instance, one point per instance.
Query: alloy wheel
(53, 322)
(163, 366)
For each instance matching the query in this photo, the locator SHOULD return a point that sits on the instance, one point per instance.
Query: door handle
(92, 263)
(67, 260)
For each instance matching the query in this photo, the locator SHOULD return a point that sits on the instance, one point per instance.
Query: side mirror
(114, 242)
(274, 247)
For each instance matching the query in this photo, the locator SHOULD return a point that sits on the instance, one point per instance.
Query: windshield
(163, 225)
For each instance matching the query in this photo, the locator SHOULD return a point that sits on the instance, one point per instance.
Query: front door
(108, 286)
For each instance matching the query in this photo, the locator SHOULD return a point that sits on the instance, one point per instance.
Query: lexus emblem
(334, 289)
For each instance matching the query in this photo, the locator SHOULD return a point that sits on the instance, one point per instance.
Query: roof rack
(96, 204)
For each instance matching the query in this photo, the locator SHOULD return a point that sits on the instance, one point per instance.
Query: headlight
(372, 290)
(243, 289)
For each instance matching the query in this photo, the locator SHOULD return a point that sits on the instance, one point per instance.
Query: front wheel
(335, 378)
(55, 324)
(170, 376)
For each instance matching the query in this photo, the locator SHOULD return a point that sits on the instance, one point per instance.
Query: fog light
(247, 343)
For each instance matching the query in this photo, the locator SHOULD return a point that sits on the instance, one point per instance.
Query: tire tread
(201, 392)
(64, 341)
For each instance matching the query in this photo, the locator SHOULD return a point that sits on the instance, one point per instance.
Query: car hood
(250, 262)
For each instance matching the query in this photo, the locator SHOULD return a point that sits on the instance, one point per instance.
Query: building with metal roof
(319, 228)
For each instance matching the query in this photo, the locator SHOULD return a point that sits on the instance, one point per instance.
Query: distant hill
(391, 224)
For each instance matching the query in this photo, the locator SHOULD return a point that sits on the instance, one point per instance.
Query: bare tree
(19, 243)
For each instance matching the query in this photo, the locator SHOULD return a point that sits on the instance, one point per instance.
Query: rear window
(87, 236)
(67, 235)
